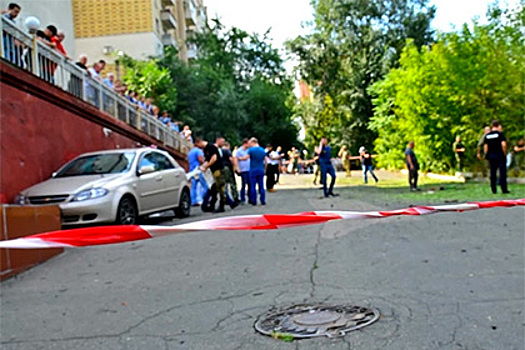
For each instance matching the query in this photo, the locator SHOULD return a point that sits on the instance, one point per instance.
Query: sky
(285, 17)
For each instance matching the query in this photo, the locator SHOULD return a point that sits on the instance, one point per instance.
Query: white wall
(138, 46)
(56, 12)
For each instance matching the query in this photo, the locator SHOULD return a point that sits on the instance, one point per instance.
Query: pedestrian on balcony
(120, 88)
(148, 106)
(12, 47)
(165, 118)
(186, 132)
(155, 113)
(141, 101)
(110, 80)
(82, 62)
(57, 39)
(91, 88)
(47, 67)
(97, 68)
(46, 36)
(174, 126)
(131, 96)
(12, 11)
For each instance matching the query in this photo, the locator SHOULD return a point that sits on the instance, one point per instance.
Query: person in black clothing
(47, 34)
(412, 165)
(366, 164)
(213, 162)
(495, 148)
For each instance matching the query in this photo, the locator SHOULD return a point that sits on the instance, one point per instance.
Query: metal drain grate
(306, 321)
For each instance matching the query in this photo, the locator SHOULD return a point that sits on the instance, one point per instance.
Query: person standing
(519, 153)
(12, 48)
(243, 167)
(229, 162)
(257, 162)
(412, 165)
(198, 182)
(366, 164)
(495, 149)
(272, 169)
(325, 162)
(279, 151)
(459, 151)
(345, 155)
(212, 161)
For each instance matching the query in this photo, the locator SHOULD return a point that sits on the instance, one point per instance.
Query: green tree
(455, 87)
(236, 88)
(150, 80)
(354, 44)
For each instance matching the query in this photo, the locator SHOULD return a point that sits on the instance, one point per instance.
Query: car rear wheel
(127, 213)
(183, 210)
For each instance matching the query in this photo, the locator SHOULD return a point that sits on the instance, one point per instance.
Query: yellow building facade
(139, 28)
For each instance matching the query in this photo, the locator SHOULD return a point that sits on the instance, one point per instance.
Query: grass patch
(287, 337)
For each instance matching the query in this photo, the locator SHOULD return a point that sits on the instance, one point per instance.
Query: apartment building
(138, 28)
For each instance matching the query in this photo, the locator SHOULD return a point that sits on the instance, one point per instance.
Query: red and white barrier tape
(82, 237)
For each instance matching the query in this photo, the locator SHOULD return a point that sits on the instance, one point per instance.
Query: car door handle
(158, 178)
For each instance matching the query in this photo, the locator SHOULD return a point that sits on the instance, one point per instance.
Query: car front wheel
(127, 212)
(183, 210)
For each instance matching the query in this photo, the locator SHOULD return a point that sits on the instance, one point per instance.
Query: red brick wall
(42, 127)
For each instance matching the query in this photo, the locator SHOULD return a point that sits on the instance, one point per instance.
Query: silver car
(114, 186)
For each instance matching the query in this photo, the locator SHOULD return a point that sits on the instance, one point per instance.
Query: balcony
(168, 20)
(190, 13)
(168, 2)
(192, 51)
(169, 40)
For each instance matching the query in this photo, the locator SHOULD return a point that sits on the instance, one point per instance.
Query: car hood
(69, 185)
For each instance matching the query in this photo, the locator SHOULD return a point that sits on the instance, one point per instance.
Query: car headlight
(20, 199)
(90, 194)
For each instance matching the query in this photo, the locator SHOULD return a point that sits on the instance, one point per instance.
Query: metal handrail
(29, 53)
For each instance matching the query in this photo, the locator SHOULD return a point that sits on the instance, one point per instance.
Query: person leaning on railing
(12, 47)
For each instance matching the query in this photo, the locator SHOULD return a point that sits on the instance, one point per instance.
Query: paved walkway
(444, 281)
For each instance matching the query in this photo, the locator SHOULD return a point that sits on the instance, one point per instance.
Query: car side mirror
(146, 169)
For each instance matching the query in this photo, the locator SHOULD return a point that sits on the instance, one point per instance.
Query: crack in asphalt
(315, 265)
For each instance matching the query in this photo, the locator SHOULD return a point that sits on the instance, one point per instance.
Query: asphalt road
(444, 281)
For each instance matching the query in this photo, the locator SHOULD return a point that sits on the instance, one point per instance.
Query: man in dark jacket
(495, 148)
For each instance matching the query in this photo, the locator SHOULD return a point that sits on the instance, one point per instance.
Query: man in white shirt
(272, 169)
(243, 169)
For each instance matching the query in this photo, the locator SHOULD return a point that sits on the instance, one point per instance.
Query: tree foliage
(149, 79)
(456, 87)
(354, 43)
(237, 87)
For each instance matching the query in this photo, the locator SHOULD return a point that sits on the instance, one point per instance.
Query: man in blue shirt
(257, 161)
(196, 158)
(12, 47)
(325, 162)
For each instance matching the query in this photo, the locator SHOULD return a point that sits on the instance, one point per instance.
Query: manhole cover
(305, 321)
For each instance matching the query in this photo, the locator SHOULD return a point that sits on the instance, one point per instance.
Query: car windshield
(98, 164)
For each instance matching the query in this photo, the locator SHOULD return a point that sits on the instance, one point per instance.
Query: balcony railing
(168, 19)
(190, 13)
(169, 40)
(28, 53)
